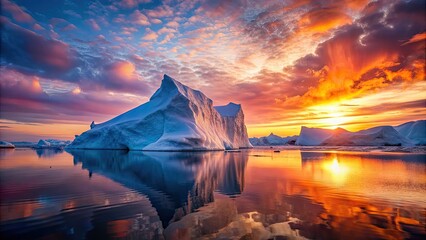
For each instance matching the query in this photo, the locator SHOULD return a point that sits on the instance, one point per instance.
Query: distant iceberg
(175, 118)
(316, 136)
(414, 131)
(4, 144)
(407, 134)
(51, 144)
(273, 140)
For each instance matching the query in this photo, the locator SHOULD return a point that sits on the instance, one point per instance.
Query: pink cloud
(139, 18)
(131, 3)
(150, 35)
(35, 50)
(69, 27)
(23, 99)
(17, 13)
(160, 12)
(156, 21)
(173, 24)
(38, 27)
(93, 24)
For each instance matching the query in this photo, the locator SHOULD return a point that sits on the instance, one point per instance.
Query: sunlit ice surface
(256, 193)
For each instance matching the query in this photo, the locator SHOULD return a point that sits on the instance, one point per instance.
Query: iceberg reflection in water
(252, 194)
(176, 183)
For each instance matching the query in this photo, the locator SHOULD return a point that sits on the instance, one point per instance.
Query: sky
(350, 63)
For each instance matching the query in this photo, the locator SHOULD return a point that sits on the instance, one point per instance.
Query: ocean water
(252, 194)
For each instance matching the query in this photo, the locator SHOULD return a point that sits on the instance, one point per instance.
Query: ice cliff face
(175, 118)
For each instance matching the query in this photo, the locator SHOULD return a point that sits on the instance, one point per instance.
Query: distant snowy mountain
(407, 134)
(272, 140)
(175, 118)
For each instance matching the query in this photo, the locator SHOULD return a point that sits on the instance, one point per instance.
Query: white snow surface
(4, 144)
(175, 118)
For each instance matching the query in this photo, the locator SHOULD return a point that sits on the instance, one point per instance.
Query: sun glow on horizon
(332, 116)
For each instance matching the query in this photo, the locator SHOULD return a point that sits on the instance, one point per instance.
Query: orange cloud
(324, 19)
(416, 38)
(123, 70)
(150, 35)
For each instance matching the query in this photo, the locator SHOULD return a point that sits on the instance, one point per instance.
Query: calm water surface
(253, 194)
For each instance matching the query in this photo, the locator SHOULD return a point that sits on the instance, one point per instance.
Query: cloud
(34, 55)
(167, 38)
(28, 49)
(361, 59)
(277, 58)
(69, 27)
(122, 70)
(72, 13)
(131, 3)
(17, 13)
(128, 30)
(224, 8)
(24, 100)
(391, 106)
(139, 18)
(93, 24)
(160, 12)
(38, 27)
(173, 24)
(150, 35)
(323, 19)
(416, 38)
(156, 21)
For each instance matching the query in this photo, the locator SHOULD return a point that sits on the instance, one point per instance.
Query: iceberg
(176, 118)
(51, 143)
(272, 140)
(4, 144)
(43, 144)
(415, 131)
(407, 134)
(377, 136)
(315, 136)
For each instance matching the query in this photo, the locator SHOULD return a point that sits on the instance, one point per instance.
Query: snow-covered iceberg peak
(175, 118)
(170, 88)
(229, 110)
